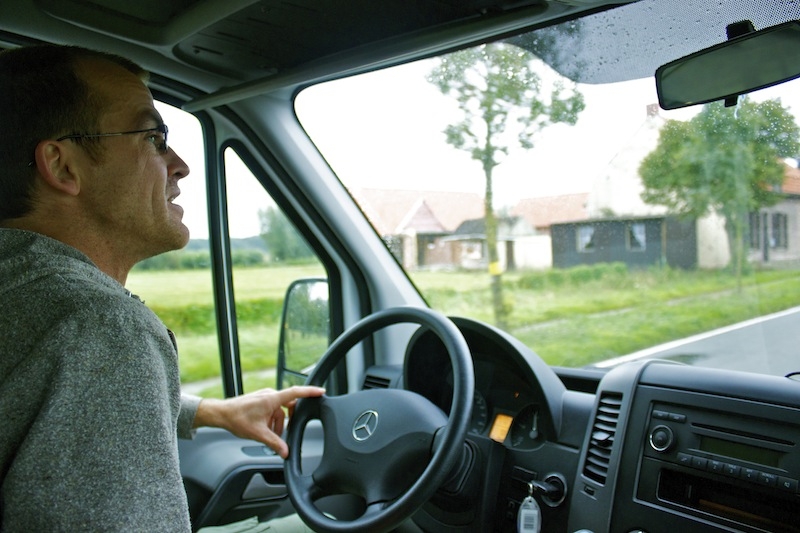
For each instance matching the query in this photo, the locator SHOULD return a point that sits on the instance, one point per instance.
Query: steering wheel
(392, 448)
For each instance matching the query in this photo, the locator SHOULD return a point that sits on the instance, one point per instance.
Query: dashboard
(659, 446)
(655, 446)
(525, 427)
(507, 408)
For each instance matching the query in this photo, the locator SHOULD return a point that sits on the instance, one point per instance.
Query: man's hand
(258, 415)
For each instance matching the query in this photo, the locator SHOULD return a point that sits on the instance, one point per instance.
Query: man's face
(129, 194)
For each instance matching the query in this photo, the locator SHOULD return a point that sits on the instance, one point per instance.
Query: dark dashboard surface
(658, 445)
(507, 408)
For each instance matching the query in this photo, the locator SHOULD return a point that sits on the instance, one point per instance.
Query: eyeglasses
(160, 140)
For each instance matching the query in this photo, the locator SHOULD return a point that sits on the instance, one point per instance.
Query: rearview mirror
(738, 66)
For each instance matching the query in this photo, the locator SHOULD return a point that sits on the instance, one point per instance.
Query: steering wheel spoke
(391, 448)
(375, 509)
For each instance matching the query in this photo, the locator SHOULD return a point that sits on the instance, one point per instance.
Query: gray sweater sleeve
(189, 406)
(101, 452)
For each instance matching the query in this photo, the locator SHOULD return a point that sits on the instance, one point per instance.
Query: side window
(636, 237)
(269, 258)
(177, 285)
(585, 238)
(780, 232)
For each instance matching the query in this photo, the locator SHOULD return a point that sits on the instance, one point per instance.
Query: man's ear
(53, 160)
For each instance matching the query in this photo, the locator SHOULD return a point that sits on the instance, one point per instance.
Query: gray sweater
(90, 404)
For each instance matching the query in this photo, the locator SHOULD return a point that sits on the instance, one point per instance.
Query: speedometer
(480, 413)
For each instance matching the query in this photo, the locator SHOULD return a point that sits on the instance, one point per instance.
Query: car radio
(735, 469)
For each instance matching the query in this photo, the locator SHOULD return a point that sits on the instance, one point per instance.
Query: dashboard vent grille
(375, 382)
(601, 442)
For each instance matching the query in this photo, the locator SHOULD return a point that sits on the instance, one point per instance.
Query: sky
(385, 130)
(243, 189)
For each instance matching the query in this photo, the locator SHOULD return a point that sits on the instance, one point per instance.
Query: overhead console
(687, 455)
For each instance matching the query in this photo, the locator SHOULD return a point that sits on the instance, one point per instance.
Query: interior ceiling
(270, 37)
(247, 39)
(227, 50)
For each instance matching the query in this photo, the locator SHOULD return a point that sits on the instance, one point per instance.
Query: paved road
(769, 345)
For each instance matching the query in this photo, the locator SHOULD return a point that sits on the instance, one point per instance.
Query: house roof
(542, 212)
(396, 211)
(508, 227)
(791, 180)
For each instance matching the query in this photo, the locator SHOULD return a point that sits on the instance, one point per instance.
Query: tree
(725, 160)
(282, 239)
(497, 87)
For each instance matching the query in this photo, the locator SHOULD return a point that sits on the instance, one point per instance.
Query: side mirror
(754, 60)
(305, 330)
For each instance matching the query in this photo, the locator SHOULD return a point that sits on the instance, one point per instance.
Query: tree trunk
(495, 270)
(735, 229)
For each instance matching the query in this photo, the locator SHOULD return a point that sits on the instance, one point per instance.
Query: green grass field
(571, 318)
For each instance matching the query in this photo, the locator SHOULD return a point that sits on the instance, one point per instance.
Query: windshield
(577, 215)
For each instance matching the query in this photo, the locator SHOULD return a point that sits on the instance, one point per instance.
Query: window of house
(636, 237)
(779, 237)
(586, 238)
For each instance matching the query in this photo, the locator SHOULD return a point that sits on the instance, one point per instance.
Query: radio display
(737, 450)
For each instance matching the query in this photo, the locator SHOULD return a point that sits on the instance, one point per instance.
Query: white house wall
(409, 240)
(712, 242)
(533, 252)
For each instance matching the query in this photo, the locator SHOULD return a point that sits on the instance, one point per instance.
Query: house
(774, 232)
(413, 222)
(614, 214)
(543, 212)
(432, 229)
(637, 242)
(469, 242)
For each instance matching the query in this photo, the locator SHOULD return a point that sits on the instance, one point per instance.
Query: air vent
(601, 442)
(375, 382)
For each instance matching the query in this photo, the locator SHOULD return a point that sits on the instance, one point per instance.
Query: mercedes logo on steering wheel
(365, 425)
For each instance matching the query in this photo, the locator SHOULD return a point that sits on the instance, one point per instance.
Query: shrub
(576, 276)
(198, 260)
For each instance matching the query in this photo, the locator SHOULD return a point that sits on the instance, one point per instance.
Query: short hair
(43, 96)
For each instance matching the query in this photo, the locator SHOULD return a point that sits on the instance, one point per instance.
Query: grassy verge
(575, 319)
(571, 317)
(590, 338)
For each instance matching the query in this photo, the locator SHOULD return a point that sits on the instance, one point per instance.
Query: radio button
(749, 474)
(684, 459)
(765, 478)
(732, 470)
(787, 484)
(699, 462)
(715, 466)
(661, 438)
(675, 417)
(661, 415)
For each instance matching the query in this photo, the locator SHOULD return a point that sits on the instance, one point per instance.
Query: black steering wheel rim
(448, 444)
